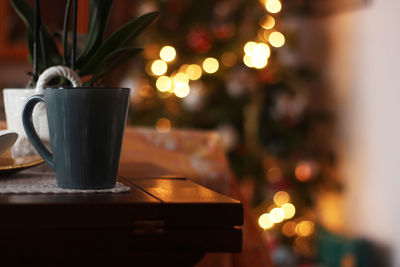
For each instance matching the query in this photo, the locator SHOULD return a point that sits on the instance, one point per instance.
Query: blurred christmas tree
(232, 65)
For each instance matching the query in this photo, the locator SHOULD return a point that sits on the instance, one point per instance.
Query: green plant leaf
(113, 61)
(49, 55)
(122, 37)
(99, 13)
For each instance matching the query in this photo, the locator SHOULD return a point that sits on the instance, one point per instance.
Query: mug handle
(30, 129)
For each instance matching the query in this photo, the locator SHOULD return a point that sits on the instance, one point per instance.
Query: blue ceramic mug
(86, 128)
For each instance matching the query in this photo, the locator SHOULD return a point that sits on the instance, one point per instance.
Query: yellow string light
(256, 54)
(273, 6)
(247, 60)
(267, 22)
(281, 198)
(184, 68)
(163, 83)
(276, 39)
(249, 47)
(210, 65)
(181, 77)
(159, 67)
(167, 53)
(277, 215)
(262, 50)
(265, 221)
(259, 62)
(194, 71)
(181, 89)
(288, 210)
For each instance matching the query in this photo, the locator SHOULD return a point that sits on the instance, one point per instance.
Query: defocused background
(303, 93)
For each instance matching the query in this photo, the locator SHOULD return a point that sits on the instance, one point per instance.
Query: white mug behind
(14, 100)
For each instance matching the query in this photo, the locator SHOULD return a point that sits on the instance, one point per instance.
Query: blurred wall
(365, 74)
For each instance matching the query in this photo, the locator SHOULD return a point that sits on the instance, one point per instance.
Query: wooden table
(165, 221)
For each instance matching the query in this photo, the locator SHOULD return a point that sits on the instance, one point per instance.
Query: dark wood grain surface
(168, 216)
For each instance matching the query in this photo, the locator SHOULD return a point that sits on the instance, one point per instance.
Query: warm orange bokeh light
(267, 22)
(229, 59)
(163, 125)
(288, 229)
(281, 198)
(304, 228)
(303, 172)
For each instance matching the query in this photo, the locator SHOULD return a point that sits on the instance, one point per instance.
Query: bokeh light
(288, 229)
(276, 39)
(267, 22)
(249, 47)
(261, 35)
(210, 65)
(181, 89)
(276, 215)
(163, 83)
(194, 71)
(261, 50)
(181, 77)
(304, 228)
(256, 54)
(184, 68)
(265, 221)
(248, 61)
(281, 198)
(167, 53)
(163, 125)
(303, 171)
(159, 67)
(259, 63)
(273, 6)
(289, 210)
(229, 59)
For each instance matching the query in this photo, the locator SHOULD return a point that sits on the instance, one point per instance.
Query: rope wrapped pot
(54, 72)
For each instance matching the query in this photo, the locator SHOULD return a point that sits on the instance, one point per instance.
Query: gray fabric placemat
(34, 182)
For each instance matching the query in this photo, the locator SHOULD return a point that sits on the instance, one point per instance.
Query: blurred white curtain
(365, 73)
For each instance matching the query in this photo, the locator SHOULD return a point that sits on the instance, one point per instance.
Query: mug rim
(19, 90)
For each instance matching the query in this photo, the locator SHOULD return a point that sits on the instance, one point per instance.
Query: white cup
(14, 101)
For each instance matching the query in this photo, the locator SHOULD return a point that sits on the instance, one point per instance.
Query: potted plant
(97, 59)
